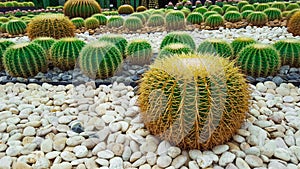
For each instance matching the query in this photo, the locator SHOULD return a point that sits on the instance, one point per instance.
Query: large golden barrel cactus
(194, 101)
(81, 8)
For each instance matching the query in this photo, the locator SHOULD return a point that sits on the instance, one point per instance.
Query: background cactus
(156, 20)
(246, 13)
(178, 37)
(294, 24)
(125, 9)
(25, 60)
(118, 40)
(3, 19)
(81, 8)
(232, 8)
(273, 13)
(219, 10)
(201, 10)
(214, 21)
(101, 18)
(174, 49)
(209, 13)
(139, 52)
(289, 50)
(241, 4)
(175, 20)
(3, 27)
(78, 22)
(141, 8)
(262, 7)
(133, 23)
(194, 18)
(64, 53)
(115, 21)
(279, 5)
(140, 16)
(259, 60)
(247, 7)
(100, 60)
(257, 18)
(233, 16)
(91, 23)
(50, 25)
(16, 27)
(239, 43)
(4, 44)
(45, 43)
(292, 6)
(216, 47)
(193, 101)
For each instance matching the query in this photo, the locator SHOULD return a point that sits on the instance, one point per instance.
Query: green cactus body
(3, 27)
(139, 52)
(214, 21)
(101, 18)
(156, 20)
(45, 43)
(100, 60)
(194, 18)
(245, 14)
(78, 22)
(158, 12)
(201, 10)
(239, 43)
(241, 4)
(178, 37)
(125, 9)
(257, 18)
(4, 44)
(64, 53)
(81, 8)
(247, 7)
(91, 23)
(140, 16)
(141, 9)
(9, 4)
(259, 60)
(25, 60)
(115, 22)
(262, 7)
(219, 10)
(289, 51)
(212, 6)
(175, 20)
(292, 7)
(233, 16)
(174, 49)
(216, 47)
(225, 7)
(209, 13)
(16, 27)
(279, 5)
(193, 101)
(133, 23)
(232, 8)
(4, 19)
(273, 13)
(118, 40)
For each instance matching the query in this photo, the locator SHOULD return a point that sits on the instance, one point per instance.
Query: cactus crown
(101, 18)
(139, 52)
(156, 20)
(214, 21)
(117, 40)
(273, 13)
(174, 49)
(175, 20)
(125, 9)
(239, 43)
(15, 27)
(257, 18)
(133, 23)
(91, 23)
(194, 18)
(201, 10)
(4, 44)
(115, 21)
(289, 50)
(262, 7)
(292, 6)
(233, 16)
(45, 43)
(78, 22)
(178, 37)
(217, 47)
(247, 7)
(81, 8)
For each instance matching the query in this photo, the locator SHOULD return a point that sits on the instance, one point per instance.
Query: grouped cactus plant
(233, 16)
(139, 52)
(201, 10)
(178, 37)
(294, 24)
(247, 7)
(289, 51)
(101, 18)
(259, 60)
(257, 18)
(115, 21)
(214, 21)
(216, 47)
(125, 9)
(194, 101)
(156, 20)
(4, 44)
(50, 25)
(273, 14)
(194, 18)
(45, 43)
(16, 27)
(175, 20)
(64, 53)
(81, 8)
(25, 60)
(100, 60)
(133, 23)
(78, 22)
(91, 23)
(239, 43)
(174, 49)
(278, 5)
(119, 41)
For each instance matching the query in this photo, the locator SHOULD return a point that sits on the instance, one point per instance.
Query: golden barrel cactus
(194, 101)
(81, 8)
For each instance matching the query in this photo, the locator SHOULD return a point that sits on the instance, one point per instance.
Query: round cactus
(239, 43)
(45, 43)
(225, 6)
(3, 27)
(175, 20)
(247, 7)
(81, 8)
(201, 10)
(214, 21)
(158, 12)
(64, 53)
(78, 22)
(262, 7)
(117, 40)
(232, 8)
(217, 47)
(241, 4)
(133, 23)
(115, 21)
(125, 9)
(100, 60)
(245, 14)
(156, 20)
(279, 5)
(4, 19)
(139, 52)
(219, 10)
(194, 18)
(91, 23)
(101, 18)
(174, 49)
(4, 44)
(257, 18)
(209, 13)
(292, 6)
(51, 25)
(289, 50)
(140, 16)
(259, 60)
(193, 101)
(233, 16)
(273, 13)
(16, 27)
(141, 8)
(25, 60)
(212, 6)
(178, 37)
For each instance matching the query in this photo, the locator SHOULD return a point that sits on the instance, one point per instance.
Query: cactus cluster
(156, 20)
(133, 23)
(241, 4)
(239, 43)
(25, 60)
(125, 9)
(100, 60)
(289, 50)
(174, 49)
(216, 47)
(115, 21)
(294, 24)
(232, 8)
(50, 25)
(194, 18)
(91, 23)
(214, 21)
(175, 20)
(4, 44)
(101, 18)
(194, 101)
(233, 16)
(257, 18)
(81, 8)
(178, 37)
(16, 27)
(78, 22)
(273, 14)
(139, 52)
(119, 41)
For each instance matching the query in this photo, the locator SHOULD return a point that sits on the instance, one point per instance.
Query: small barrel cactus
(294, 24)
(133, 23)
(81, 8)
(3, 27)
(125, 9)
(140, 15)
(219, 10)
(178, 37)
(194, 18)
(16, 27)
(247, 7)
(118, 40)
(239, 43)
(216, 47)
(201, 10)
(257, 18)
(139, 52)
(91, 23)
(233, 16)
(174, 49)
(175, 20)
(45, 43)
(4, 19)
(241, 4)
(209, 13)
(278, 5)
(158, 12)
(141, 8)
(100, 60)
(78, 22)
(289, 50)
(273, 14)
(214, 21)
(259, 60)
(156, 20)
(193, 101)
(64, 53)
(25, 60)
(115, 21)
(262, 7)
(101, 18)
(225, 6)
(246, 13)
(292, 6)
(4, 44)
(232, 8)
(50, 25)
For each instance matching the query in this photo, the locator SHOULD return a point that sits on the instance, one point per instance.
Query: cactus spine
(216, 47)
(81, 8)
(174, 49)
(175, 20)
(289, 51)
(178, 37)
(4, 44)
(118, 40)
(139, 52)
(16, 27)
(239, 43)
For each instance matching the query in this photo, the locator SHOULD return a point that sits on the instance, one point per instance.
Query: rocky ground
(64, 127)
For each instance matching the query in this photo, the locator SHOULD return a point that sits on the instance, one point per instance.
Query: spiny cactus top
(81, 8)
(118, 40)
(139, 52)
(174, 49)
(239, 43)
(217, 47)
(289, 51)
(178, 37)
(4, 44)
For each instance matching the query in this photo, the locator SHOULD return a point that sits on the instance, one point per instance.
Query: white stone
(68, 156)
(220, 149)
(47, 145)
(42, 163)
(63, 165)
(106, 154)
(253, 161)
(174, 151)
(80, 151)
(282, 154)
(116, 162)
(204, 161)
(135, 156)
(164, 161)
(226, 158)
(240, 163)
(193, 165)
(261, 87)
(179, 161)
(194, 154)
(163, 148)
